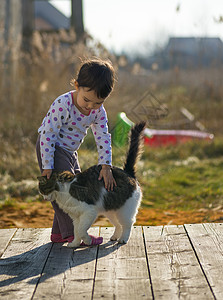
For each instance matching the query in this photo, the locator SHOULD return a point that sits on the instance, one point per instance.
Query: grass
(181, 177)
(185, 187)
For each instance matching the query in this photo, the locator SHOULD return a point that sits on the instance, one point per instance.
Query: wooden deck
(159, 262)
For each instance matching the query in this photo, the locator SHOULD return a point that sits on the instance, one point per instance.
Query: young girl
(64, 128)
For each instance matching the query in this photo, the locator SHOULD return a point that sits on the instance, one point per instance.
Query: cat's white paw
(113, 238)
(122, 241)
(87, 240)
(73, 244)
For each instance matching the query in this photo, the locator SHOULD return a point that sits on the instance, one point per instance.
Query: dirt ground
(40, 214)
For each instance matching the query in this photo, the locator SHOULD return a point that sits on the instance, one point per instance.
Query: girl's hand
(47, 173)
(106, 174)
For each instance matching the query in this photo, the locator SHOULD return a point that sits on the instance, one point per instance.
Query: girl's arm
(102, 137)
(103, 142)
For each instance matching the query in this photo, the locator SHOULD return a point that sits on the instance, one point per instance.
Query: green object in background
(121, 131)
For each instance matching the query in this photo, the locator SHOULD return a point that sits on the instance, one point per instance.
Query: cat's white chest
(69, 204)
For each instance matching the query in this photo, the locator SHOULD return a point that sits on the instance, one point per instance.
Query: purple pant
(63, 161)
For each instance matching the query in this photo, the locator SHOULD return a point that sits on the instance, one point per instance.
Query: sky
(142, 25)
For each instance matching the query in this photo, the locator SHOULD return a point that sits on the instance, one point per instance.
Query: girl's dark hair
(97, 75)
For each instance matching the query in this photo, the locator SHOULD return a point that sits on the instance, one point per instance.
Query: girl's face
(86, 100)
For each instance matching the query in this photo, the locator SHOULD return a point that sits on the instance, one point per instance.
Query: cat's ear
(42, 179)
(79, 192)
(54, 176)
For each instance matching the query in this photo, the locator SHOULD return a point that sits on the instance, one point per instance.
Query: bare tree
(77, 17)
(11, 38)
(27, 22)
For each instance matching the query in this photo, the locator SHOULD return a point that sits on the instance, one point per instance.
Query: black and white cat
(83, 197)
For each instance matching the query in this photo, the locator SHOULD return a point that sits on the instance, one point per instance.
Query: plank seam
(95, 269)
(216, 237)
(41, 272)
(147, 262)
(6, 246)
(196, 255)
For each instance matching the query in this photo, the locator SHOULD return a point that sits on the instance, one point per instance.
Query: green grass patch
(185, 187)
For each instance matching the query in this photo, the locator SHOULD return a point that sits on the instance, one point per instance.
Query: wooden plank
(6, 236)
(69, 273)
(121, 271)
(174, 269)
(207, 240)
(22, 263)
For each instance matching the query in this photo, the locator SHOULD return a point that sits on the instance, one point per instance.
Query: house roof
(195, 45)
(48, 17)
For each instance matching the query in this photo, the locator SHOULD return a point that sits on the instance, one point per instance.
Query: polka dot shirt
(65, 126)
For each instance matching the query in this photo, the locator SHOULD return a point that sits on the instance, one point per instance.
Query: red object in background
(155, 137)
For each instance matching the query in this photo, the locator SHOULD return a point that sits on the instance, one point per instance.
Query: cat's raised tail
(135, 148)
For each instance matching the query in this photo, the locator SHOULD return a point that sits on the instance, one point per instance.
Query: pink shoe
(57, 238)
(94, 240)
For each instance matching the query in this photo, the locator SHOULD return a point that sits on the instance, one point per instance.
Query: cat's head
(47, 186)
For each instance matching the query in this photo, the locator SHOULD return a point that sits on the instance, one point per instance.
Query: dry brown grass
(200, 91)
